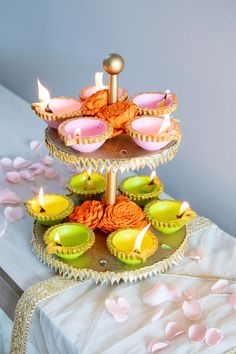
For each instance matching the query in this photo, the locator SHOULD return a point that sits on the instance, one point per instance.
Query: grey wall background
(187, 46)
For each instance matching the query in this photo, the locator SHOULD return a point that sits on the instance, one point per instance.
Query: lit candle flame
(57, 238)
(99, 80)
(165, 124)
(44, 95)
(41, 200)
(153, 174)
(89, 173)
(139, 239)
(77, 132)
(182, 209)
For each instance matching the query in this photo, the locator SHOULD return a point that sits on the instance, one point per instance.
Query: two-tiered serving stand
(118, 154)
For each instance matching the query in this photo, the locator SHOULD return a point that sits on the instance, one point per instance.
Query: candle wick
(165, 97)
(48, 109)
(180, 215)
(42, 210)
(58, 244)
(89, 178)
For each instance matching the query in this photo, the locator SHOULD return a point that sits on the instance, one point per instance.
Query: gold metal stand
(113, 64)
(110, 194)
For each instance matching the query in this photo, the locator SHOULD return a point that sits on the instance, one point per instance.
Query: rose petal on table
(35, 189)
(37, 165)
(190, 293)
(123, 304)
(63, 182)
(14, 214)
(155, 346)
(50, 173)
(6, 163)
(157, 315)
(196, 255)
(157, 295)
(19, 162)
(13, 177)
(220, 286)
(8, 197)
(35, 145)
(27, 175)
(3, 225)
(213, 336)
(173, 329)
(118, 313)
(175, 294)
(192, 309)
(47, 160)
(197, 333)
(38, 171)
(232, 300)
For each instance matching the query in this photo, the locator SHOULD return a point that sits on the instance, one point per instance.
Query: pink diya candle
(55, 110)
(85, 134)
(155, 103)
(153, 133)
(90, 90)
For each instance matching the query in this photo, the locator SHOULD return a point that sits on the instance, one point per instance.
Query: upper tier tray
(119, 154)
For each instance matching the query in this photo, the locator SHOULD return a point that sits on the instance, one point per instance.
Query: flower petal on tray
(196, 255)
(47, 160)
(20, 162)
(8, 197)
(119, 311)
(157, 315)
(6, 163)
(232, 300)
(35, 145)
(192, 310)
(37, 165)
(173, 329)
(27, 175)
(157, 295)
(155, 346)
(13, 177)
(213, 336)
(13, 214)
(220, 286)
(197, 333)
(50, 173)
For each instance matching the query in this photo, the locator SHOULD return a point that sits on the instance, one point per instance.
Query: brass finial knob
(113, 64)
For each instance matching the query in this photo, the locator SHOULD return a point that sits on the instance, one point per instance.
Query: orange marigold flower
(89, 213)
(94, 103)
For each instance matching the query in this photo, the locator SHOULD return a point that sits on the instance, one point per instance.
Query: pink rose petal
(173, 329)
(157, 295)
(47, 160)
(36, 166)
(175, 294)
(220, 286)
(232, 300)
(13, 214)
(213, 336)
(13, 177)
(26, 174)
(155, 346)
(3, 225)
(120, 314)
(38, 172)
(20, 162)
(8, 197)
(6, 163)
(50, 173)
(192, 309)
(190, 293)
(197, 333)
(35, 145)
(35, 189)
(157, 315)
(196, 255)
(72, 169)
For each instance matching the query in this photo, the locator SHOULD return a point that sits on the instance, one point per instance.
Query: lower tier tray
(98, 265)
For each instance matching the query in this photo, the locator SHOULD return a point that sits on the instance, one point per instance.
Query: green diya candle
(87, 185)
(132, 246)
(168, 216)
(68, 240)
(49, 209)
(142, 189)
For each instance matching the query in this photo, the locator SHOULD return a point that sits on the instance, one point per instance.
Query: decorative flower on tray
(89, 213)
(94, 103)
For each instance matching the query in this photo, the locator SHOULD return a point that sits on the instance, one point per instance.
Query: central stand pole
(110, 194)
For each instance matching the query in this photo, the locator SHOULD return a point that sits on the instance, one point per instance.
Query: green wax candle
(140, 189)
(165, 215)
(87, 186)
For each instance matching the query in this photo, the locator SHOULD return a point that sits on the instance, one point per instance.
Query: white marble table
(75, 321)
